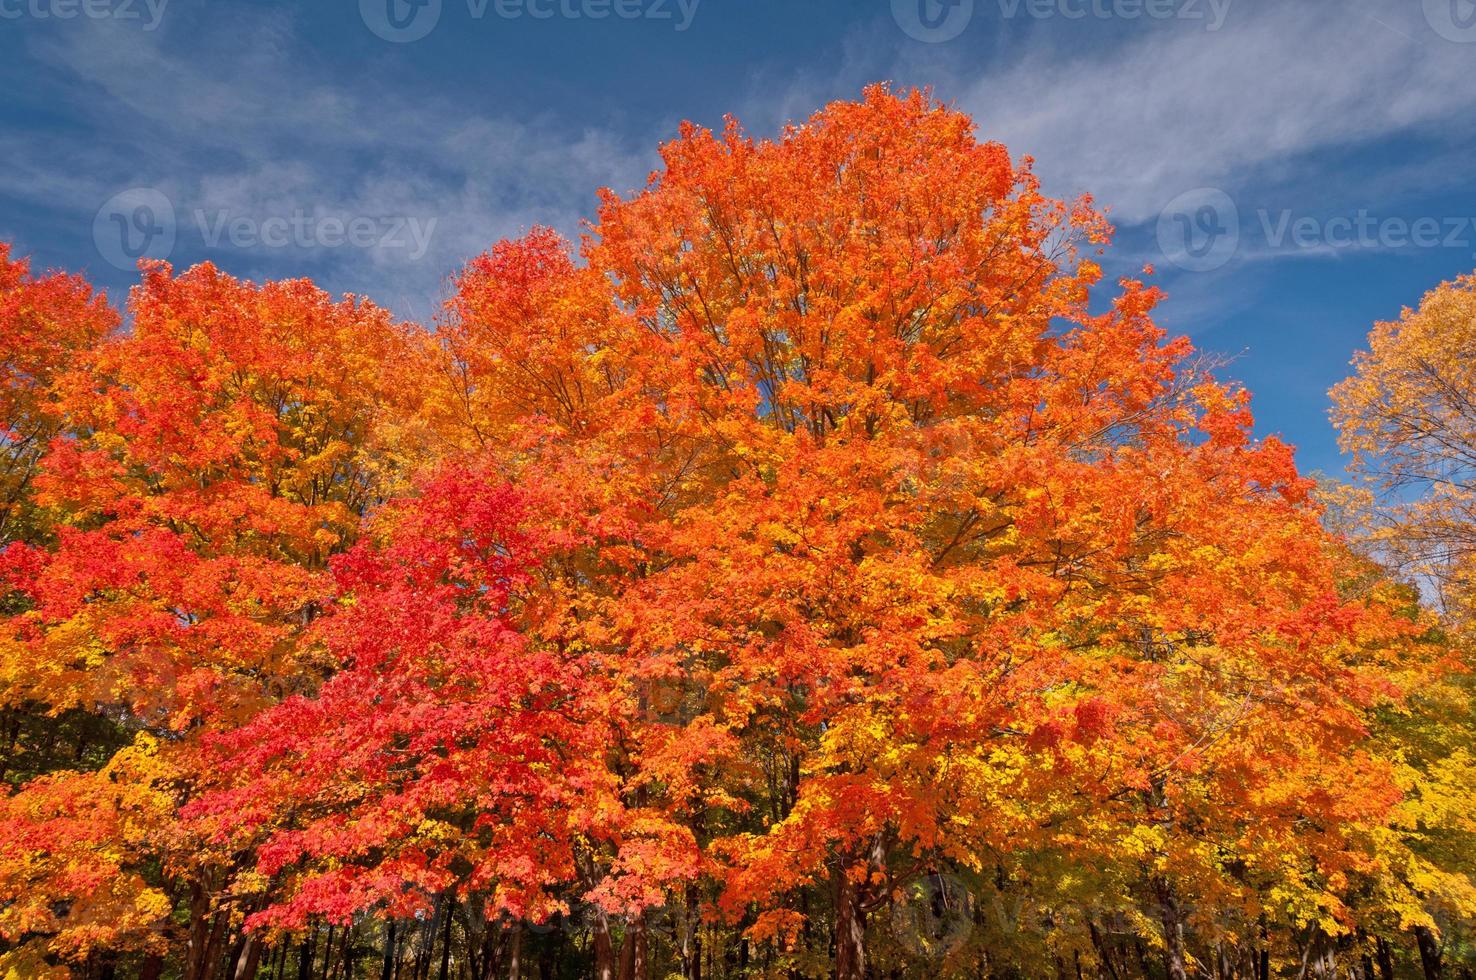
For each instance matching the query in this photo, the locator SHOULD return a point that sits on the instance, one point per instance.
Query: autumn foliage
(804, 577)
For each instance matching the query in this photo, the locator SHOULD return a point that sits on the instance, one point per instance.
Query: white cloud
(241, 128)
(1173, 108)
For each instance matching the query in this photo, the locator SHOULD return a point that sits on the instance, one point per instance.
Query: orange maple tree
(47, 326)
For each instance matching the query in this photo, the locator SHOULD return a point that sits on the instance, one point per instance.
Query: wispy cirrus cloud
(1170, 109)
(267, 164)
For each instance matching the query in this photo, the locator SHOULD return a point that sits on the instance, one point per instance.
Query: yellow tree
(1408, 417)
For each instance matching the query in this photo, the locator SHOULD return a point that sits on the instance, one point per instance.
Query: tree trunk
(328, 952)
(515, 953)
(692, 938)
(348, 954)
(1104, 955)
(204, 933)
(635, 957)
(387, 970)
(850, 930)
(425, 949)
(1386, 959)
(1429, 952)
(446, 940)
(604, 950)
(494, 938)
(1174, 960)
(250, 958)
(305, 956)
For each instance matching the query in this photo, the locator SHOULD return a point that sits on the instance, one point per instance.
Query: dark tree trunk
(346, 957)
(850, 930)
(206, 932)
(328, 953)
(387, 969)
(425, 949)
(1429, 953)
(692, 938)
(1174, 959)
(494, 938)
(305, 956)
(1103, 953)
(604, 950)
(515, 953)
(1386, 959)
(450, 913)
(249, 960)
(635, 956)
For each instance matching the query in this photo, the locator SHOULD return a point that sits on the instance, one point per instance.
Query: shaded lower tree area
(943, 933)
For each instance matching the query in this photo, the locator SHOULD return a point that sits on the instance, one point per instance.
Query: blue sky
(1294, 170)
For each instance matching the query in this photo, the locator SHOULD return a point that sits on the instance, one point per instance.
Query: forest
(816, 571)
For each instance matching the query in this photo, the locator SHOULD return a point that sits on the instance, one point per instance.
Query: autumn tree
(965, 569)
(47, 326)
(1408, 418)
(898, 542)
(210, 461)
